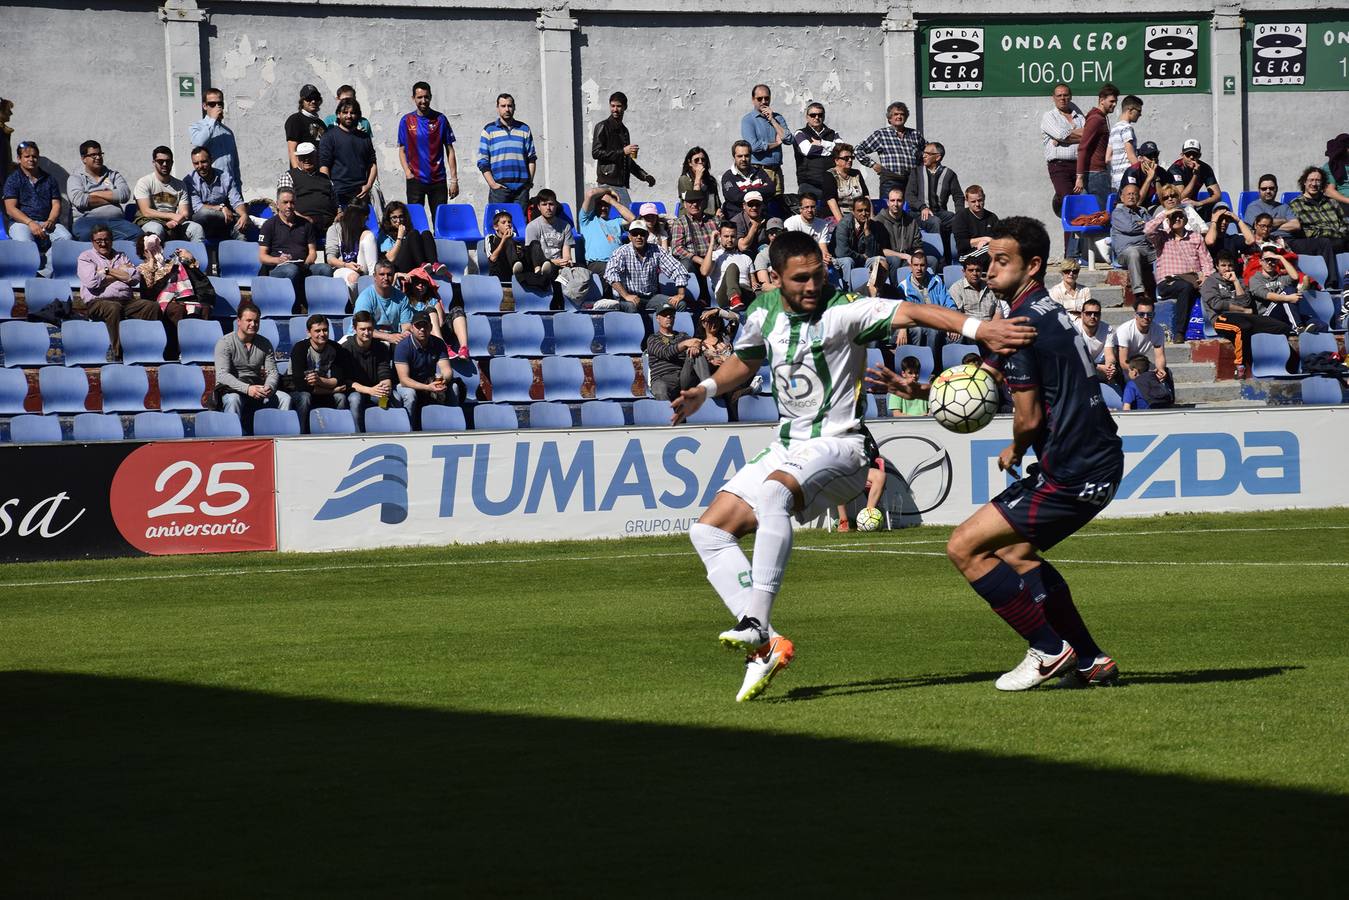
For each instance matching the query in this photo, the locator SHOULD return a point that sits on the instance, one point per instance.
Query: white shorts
(830, 471)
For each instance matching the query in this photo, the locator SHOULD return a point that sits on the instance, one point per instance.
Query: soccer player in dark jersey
(1059, 412)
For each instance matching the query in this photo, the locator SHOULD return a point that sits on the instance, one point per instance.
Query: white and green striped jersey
(817, 361)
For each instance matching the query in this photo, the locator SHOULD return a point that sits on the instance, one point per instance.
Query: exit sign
(187, 85)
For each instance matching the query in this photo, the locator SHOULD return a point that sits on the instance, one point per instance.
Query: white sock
(727, 566)
(772, 547)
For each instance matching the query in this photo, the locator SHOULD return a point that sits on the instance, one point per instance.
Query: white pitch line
(225, 573)
(1104, 562)
(1096, 534)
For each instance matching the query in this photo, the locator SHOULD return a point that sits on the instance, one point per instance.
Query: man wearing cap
(1278, 288)
(673, 357)
(1131, 246)
(693, 234)
(1145, 174)
(1191, 175)
(614, 152)
(763, 267)
(749, 224)
(304, 125)
(422, 369)
(742, 179)
(636, 269)
(767, 133)
(601, 234)
(315, 197)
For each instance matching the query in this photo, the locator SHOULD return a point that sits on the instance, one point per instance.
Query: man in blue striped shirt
(506, 155)
(767, 133)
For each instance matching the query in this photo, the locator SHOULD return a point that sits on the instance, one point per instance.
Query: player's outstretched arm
(906, 386)
(999, 335)
(732, 372)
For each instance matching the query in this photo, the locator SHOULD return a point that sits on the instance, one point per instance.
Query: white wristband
(971, 327)
(710, 385)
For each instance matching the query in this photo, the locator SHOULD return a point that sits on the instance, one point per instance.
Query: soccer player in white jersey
(814, 340)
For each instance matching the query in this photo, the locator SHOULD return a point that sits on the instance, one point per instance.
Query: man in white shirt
(807, 222)
(1061, 130)
(1095, 334)
(1122, 154)
(1140, 336)
(727, 270)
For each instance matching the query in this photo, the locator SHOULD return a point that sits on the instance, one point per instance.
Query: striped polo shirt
(506, 152)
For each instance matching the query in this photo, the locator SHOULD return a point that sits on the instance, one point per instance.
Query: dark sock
(1007, 593)
(1061, 613)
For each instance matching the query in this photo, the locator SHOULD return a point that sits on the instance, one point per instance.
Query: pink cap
(648, 209)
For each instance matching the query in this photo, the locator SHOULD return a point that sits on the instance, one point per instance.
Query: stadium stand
(547, 414)
(602, 414)
(275, 423)
(124, 387)
(30, 429)
(443, 418)
(495, 417)
(65, 390)
(13, 390)
(393, 420)
(181, 387)
(84, 343)
(99, 427)
(156, 426)
(214, 424)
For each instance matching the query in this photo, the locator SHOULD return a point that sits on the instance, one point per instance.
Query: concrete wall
(688, 77)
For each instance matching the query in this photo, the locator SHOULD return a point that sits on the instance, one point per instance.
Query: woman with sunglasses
(842, 184)
(697, 176)
(403, 245)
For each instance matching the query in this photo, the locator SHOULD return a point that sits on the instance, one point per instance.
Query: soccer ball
(869, 519)
(963, 399)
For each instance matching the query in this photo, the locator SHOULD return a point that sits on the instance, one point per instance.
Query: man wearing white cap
(315, 197)
(1190, 174)
(636, 270)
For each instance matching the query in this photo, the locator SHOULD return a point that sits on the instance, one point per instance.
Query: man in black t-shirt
(1146, 176)
(1057, 410)
(347, 155)
(315, 197)
(288, 247)
(1190, 174)
(304, 125)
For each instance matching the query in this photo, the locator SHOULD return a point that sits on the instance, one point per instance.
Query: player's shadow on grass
(1191, 676)
(125, 788)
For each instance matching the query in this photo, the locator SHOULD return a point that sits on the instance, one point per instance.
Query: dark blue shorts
(1044, 512)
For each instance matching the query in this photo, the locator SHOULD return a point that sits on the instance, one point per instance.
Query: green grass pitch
(557, 720)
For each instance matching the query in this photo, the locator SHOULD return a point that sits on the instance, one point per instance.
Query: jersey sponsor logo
(798, 387)
(377, 476)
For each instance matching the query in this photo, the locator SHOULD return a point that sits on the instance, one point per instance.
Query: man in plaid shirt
(896, 147)
(1324, 232)
(693, 234)
(1182, 263)
(635, 271)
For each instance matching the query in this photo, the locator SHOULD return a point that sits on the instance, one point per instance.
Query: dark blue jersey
(1079, 440)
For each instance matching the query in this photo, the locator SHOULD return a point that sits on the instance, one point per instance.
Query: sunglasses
(1094, 314)
(814, 115)
(212, 104)
(163, 162)
(93, 153)
(1268, 187)
(762, 99)
(1143, 315)
(846, 158)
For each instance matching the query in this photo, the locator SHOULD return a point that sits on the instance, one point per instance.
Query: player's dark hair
(247, 306)
(727, 223)
(1107, 90)
(350, 103)
(169, 153)
(1267, 177)
(1131, 102)
(1095, 303)
(971, 359)
(87, 146)
(345, 90)
(738, 144)
(313, 320)
(1144, 301)
(791, 244)
(1259, 216)
(196, 150)
(98, 229)
(619, 96)
(1032, 240)
(421, 86)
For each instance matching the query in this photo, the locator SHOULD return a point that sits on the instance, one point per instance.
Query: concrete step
(1209, 392)
(1179, 353)
(1191, 373)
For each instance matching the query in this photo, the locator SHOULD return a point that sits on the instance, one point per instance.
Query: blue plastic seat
(84, 343)
(42, 292)
(271, 330)
(1314, 267)
(197, 249)
(573, 334)
(466, 370)
(276, 423)
(1111, 397)
(602, 414)
(1309, 343)
(157, 426)
(336, 421)
(922, 354)
(623, 332)
(683, 321)
(858, 279)
(142, 341)
(181, 387)
(1289, 196)
(951, 354)
(227, 297)
(30, 429)
(547, 414)
(197, 339)
(129, 249)
(99, 427)
(1269, 356)
(417, 217)
(951, 274)
(442, 418)
(517, 217)
(124, 387)
(65, 390)
(64, 256)
(1322, 390)
(481, 293)
(214, 424)
(754, 408)
(523, 334)
(562, 378)
(13, 390)
(652, 412)
(24, 343)
(495, 417)
(479, 335)
(457, 222)
(529, 300)
(1245, 199)
(707, 414)
(453, 255)
(614, 377)
(511, 379)
(238, 260)
(6, 301)
(275, 297)
(326, 296)
(393, 420)
(19, 261)
(1075, 205)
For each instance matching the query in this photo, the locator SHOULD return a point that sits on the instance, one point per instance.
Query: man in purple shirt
(426, 150)
(110, 288)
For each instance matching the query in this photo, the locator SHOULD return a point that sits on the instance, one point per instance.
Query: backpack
(1157, 392)
(575, 283)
